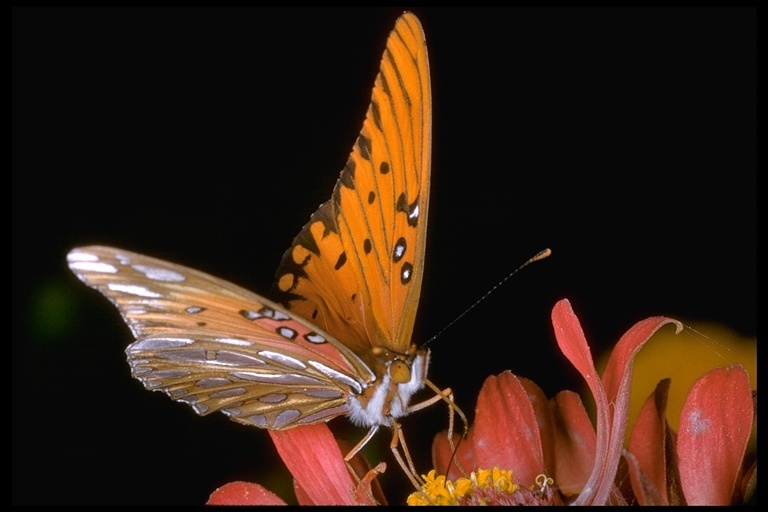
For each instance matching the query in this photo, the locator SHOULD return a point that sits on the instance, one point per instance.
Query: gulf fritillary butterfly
(336, 338)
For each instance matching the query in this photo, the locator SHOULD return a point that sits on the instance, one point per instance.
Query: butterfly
(335, 337)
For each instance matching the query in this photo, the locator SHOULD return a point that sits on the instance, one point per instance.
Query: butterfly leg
(407, 463)
(447, 396)
(409, 469)
(405, 460)
(354, 451)
(397, 440)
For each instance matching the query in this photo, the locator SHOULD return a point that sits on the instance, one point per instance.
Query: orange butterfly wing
(351, 282)
(356, 267)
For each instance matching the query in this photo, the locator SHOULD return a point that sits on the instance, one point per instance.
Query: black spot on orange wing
(364, 145)
(341, 261)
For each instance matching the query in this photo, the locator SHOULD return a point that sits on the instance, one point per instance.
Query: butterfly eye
(400, 372)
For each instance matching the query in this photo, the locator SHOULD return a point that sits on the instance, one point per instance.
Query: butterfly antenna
(538, 256)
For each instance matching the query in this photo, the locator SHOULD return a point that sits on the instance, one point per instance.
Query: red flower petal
(618, 372)
(442, 452)
(541, 411)
(243, 493)
(714, 429)
(574, 440)
(648, 446)
(301, 495)
(572, 342)
(314, 459)
(613, 389)
(506, 432)
(749, 483)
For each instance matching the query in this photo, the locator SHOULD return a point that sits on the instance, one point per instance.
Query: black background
(622, 138)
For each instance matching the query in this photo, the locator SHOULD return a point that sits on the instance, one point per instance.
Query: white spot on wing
(190, 355)
(314, 338)
(76, 255)
(399, 251)
(286, 417)
(93, 266)
(283, 359)
(273, 314)
(133, 289)
(273, 398)
(259, 420)
(228, 393)
(287, 333)
(251, 315)
(213, 382)
(234, 341)
(189, 399)
(167, 374)
(337, 376)
(160, 274)
(415, 213)
(159, 344)
(281, 378)
(235, 359)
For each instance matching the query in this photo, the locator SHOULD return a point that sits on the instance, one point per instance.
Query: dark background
(624, 139)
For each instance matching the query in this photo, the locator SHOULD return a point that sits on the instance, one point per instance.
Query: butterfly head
(386, 399)
(402, 367)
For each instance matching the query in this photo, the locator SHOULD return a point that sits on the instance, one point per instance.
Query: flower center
(484, 487)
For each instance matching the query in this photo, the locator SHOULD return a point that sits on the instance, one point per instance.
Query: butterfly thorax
(398, 377)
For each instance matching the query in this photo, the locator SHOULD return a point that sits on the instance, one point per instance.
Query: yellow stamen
(437, 490)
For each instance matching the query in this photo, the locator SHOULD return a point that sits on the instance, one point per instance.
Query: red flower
(516, 427)
(703, 464)
(526, 449)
